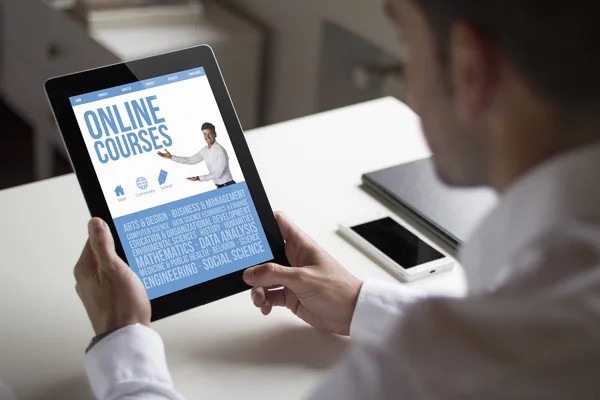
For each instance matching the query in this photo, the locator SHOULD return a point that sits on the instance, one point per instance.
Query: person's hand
(317, 288)
(194, 178)
(166, 154)
(111, 292)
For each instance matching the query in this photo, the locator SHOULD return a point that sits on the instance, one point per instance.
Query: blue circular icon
(142, 183)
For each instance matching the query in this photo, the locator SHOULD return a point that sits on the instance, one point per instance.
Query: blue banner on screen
(172, 181)
(193, 240)
(137, 86)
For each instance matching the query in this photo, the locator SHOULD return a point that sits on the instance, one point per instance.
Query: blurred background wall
(303, 49)
(281, 59)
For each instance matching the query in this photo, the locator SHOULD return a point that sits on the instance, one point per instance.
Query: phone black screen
(397, 242)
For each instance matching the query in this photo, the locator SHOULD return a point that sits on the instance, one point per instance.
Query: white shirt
(529, 327)
(217, 162)
(6, 393)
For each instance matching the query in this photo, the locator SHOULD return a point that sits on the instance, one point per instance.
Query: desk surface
(311, 169)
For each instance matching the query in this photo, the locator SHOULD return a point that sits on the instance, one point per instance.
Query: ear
(473, 69)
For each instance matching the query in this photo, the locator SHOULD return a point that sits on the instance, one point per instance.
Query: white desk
(311, 169)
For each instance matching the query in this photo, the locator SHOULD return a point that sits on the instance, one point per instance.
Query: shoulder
(564, 255)
(221, 148)
(576, 242)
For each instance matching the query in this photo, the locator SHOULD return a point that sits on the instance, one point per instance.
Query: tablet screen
(172, 181)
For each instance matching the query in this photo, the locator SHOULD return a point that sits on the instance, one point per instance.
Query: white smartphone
(395, 247)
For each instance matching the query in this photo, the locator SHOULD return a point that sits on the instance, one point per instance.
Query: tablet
(161, 156)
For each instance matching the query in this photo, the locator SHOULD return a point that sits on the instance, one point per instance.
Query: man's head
(488, 77)
(210, 134)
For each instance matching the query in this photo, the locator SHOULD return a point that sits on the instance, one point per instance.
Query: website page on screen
(172, 181)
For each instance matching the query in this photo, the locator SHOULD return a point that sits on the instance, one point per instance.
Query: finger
(266, 309)
(282, 297)
(272, 274)
(261, 294)
(278, 297)
(86, 263)
(257, 294)
(288, 229)
(102, 242)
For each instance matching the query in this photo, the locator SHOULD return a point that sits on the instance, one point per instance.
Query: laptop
(447, 215)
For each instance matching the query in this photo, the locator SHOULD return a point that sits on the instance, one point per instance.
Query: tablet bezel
(60, 89)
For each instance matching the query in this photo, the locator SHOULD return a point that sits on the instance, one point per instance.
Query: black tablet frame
(60, 89)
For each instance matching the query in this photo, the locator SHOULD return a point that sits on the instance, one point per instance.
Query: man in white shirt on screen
(509, 96)
(215, 156)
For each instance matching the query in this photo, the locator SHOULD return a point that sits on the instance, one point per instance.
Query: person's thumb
(289, 230)
(272, 274)
(101, 241)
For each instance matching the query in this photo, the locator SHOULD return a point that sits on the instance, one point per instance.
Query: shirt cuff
(132, 353)
(96, 339)
(379, 305)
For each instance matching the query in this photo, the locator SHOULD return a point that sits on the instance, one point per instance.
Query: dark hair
(208, 125)
(553, 43)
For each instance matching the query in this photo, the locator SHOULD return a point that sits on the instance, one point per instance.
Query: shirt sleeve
(6, 393)
(379, 305)
(195, 159)
(497, 347)
(219, 168)
(130, 364)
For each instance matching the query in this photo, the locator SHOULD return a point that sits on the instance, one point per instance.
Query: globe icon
(142, 183)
